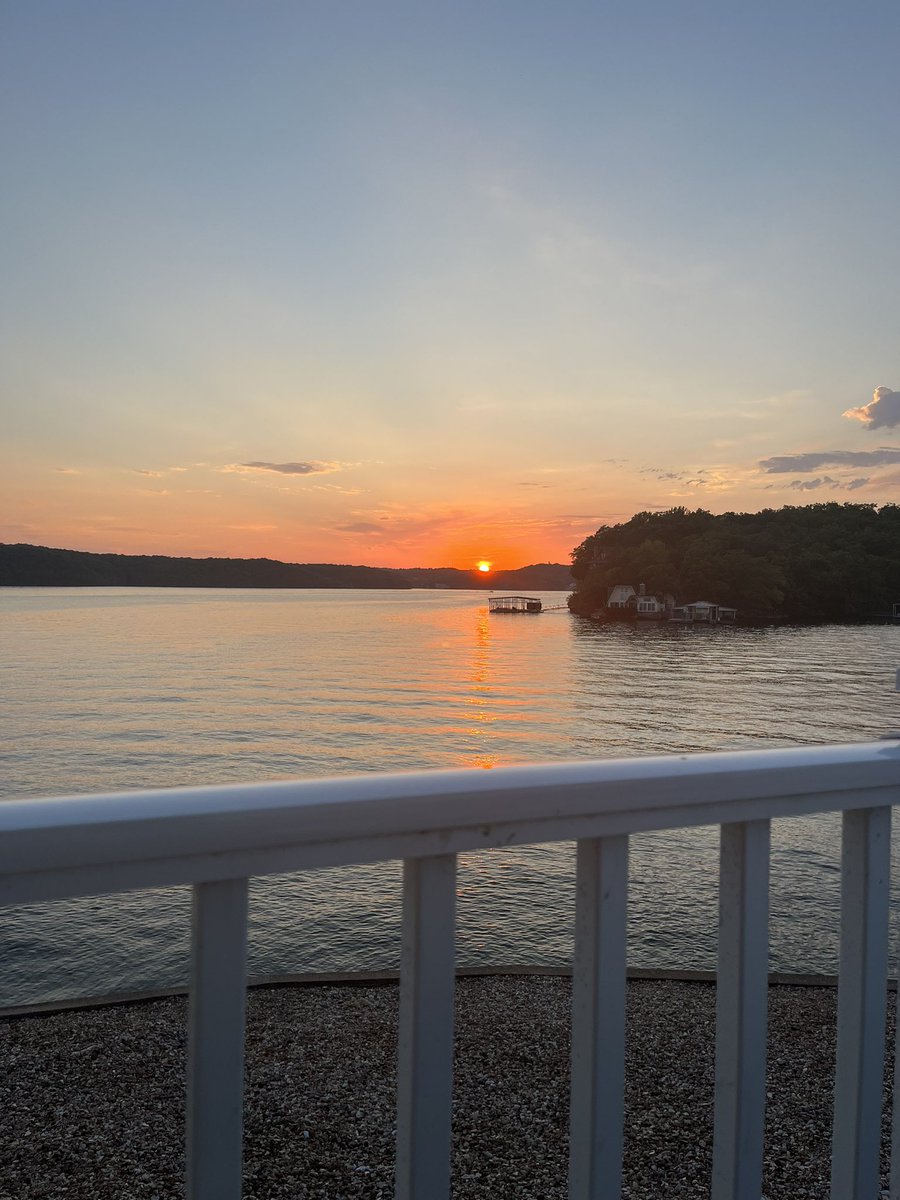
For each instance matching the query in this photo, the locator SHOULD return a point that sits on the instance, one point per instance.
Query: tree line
(809, 563)
(22, 565)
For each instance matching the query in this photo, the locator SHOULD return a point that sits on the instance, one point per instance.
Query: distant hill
(40, 566)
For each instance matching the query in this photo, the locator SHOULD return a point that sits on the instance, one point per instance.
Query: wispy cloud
(313, 467)
(332, 487)
(362, 527)
(765, 408)
(812, 485)
(826, 481)
(151, 474)
(712, 481)
(664, 476)
(782, 464)
(882, 411)
(757, 410)
(413, 528)
(707, 479)
(400, 523)
(576, 468)
(67, 471)
(575, 247)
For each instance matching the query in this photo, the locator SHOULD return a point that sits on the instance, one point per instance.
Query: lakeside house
(622, 596)
(624, 603)
(654, 608)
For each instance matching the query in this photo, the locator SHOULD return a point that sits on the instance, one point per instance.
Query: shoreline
(94, 1098)
(308, 979)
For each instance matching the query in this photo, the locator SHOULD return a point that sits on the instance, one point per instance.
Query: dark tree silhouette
(817, 562)
(40, 566)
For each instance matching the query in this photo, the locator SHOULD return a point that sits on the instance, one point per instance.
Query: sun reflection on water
(478, 701)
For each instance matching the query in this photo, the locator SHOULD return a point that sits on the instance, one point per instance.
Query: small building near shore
(702, 612)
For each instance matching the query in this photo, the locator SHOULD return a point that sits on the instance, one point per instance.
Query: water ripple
(118, 689)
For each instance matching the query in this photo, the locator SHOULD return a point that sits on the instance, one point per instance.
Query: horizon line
(280, 561)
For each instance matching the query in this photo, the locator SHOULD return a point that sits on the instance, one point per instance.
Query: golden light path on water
(113, 689)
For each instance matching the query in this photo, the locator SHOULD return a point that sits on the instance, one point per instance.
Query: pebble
(93, 1099)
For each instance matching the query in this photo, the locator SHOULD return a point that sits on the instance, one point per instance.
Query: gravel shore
(93, 1100)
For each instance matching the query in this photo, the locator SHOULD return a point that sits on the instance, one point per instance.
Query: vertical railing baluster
(741, 1003)
(894, 1188)
(216, 1040)
(425, 1044)
(598, 1020)
(862, 986)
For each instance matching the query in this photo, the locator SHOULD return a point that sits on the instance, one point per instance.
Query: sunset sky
(422, 284)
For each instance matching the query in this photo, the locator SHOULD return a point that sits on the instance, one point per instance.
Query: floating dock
(514, 604)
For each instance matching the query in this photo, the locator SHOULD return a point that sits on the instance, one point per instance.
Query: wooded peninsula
(41, 566)
(810, 563)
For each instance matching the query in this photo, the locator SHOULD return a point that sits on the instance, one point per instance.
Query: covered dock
(514, 604)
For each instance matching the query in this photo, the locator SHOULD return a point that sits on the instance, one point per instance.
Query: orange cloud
(882, 411)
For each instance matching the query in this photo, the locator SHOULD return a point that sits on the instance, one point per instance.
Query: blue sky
(461, 281)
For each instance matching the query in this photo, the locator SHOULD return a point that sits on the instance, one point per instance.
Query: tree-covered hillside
(818, 562)
(42, 566)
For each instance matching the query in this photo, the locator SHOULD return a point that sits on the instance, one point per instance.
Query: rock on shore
(93, 1100)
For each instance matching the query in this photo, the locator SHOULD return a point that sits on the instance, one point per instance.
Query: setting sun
(484, 565)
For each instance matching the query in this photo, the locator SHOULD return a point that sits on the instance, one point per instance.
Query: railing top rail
(505, 805)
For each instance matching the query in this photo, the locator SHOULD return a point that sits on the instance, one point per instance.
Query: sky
(426, 284)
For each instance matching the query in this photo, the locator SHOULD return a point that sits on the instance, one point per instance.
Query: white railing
(216, 838)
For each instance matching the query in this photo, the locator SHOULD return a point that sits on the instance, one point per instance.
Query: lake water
(112, 689)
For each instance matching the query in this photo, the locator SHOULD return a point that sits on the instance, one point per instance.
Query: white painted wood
(598, 1020)
(134, 827)
(741, 1002)
(29, 887)
(216, 1040)
(865, 876)
(425, 1041)
(894, 1188)
(80, 845)
(87, 845)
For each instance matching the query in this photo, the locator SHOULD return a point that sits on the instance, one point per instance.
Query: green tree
(815, 562)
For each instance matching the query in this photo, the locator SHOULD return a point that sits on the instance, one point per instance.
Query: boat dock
(514, 604)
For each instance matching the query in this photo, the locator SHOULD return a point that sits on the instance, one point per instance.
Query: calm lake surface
(115, 689)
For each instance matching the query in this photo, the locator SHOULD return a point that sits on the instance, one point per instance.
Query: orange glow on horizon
(236, 519)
